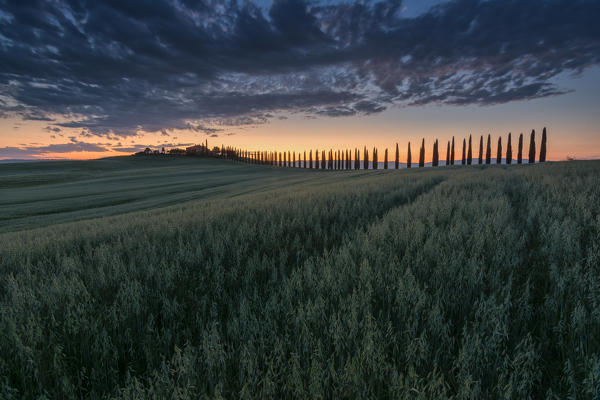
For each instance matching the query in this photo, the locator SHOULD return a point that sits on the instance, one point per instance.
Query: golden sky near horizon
(573, 131)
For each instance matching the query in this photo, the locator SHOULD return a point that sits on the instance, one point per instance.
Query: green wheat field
(179, 278)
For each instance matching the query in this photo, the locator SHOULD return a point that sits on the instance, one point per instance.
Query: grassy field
(239, 281)
(44, 193)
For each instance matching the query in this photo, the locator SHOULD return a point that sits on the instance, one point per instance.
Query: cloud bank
(114, 68)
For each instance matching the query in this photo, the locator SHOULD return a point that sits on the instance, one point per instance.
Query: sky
(87, 78)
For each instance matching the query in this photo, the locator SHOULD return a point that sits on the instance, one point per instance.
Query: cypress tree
(422, 154)
(434, 160)
(520, 150)
(310, 160)
(532, 148)
(375, 161)
(464, 153)
(385, 161)
(290, 159)
(470, 153)
(452, 152)
(316, 159)
(294, 165)
(488, 151)
(332, 159)
(543, 147)
(499, 154)
(448, 154)
(481, 150)
(356, 158)
(408, 157)
(284, 159)
(348, 159)
(304, 158)
(366, 158)
(323, 160)
(509, 149)
(349, 167)
(397, 157)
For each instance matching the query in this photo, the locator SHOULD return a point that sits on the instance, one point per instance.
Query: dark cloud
(36, 149)
(115, 68)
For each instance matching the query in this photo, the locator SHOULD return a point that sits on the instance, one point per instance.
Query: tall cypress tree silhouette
(375, 160)
(294, 164)
(464, 153)
(532, 147)
(310, 160)
(488, 151)
(422, 154)
(385, 160)
(346, 156)
(520, 150)
(408, 157)
(481, 149)
(543, 147)
(452, 152)
(317, 159)
(448, 154)
(335, 160)
(470, 153)
(435, 157)
(348, 159)
(509, 149)
(397, 164)
(356, 158)
(366, 158)
(499, 154)
(323, 160)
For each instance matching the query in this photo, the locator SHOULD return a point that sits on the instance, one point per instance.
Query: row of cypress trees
(343, 159)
